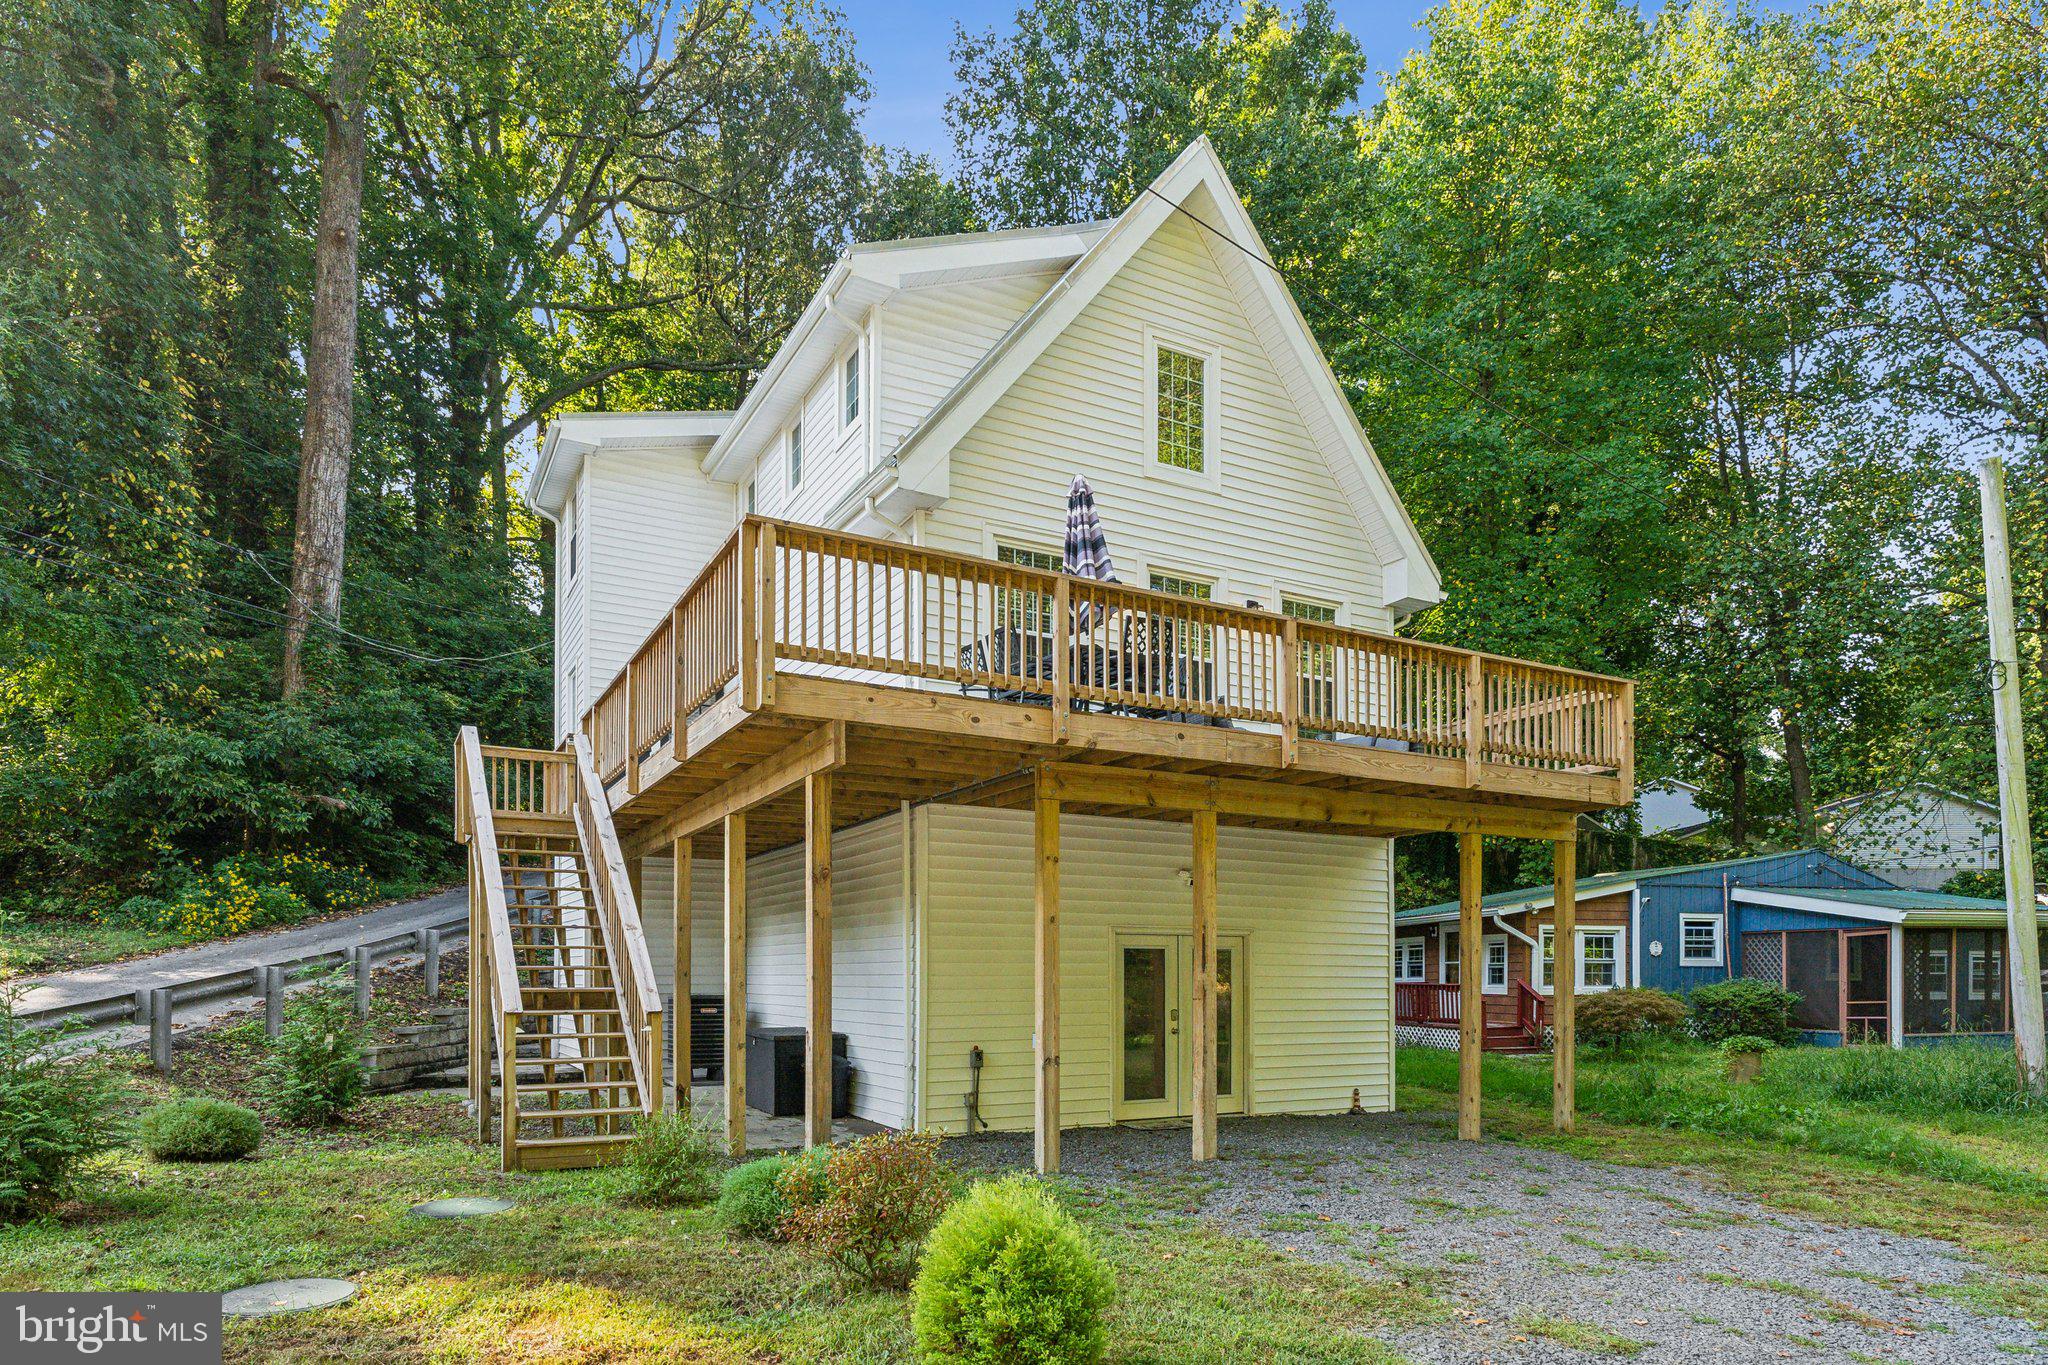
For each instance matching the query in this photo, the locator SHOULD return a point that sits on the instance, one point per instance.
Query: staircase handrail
(475, 826)
(618, 916)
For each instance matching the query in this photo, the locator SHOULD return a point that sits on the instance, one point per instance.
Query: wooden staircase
(562, 984)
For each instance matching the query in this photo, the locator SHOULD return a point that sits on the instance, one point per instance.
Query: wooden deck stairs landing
(561, 980)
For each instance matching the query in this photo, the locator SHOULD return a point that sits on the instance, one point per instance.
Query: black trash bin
(775, 1071)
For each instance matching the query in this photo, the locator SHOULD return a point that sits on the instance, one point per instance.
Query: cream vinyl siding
(929, 338)
(1314, 909)
(572, 668)
(868, 977)
(1275, 521)
(654, 520)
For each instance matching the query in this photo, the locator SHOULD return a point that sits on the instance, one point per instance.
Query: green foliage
(1743, 1005)
(752, 1200)
(1613, 1018)
(1936, 1081)
(1007, 1275)
(312, 1072)
(198, 1129)
(56, 1102)
(1745, 1045)
(672, 1161)
(870, 1205)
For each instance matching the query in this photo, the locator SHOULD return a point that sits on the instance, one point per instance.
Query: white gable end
(1273, 522)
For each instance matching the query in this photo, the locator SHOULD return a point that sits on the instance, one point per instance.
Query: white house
(836, 617)
(1918, 836)
(1670, 805)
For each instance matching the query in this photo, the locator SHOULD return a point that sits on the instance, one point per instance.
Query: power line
(1357, 321)
(267, 615)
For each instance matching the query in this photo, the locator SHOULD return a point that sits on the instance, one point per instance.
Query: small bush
(1745, 1045)
(870, 1204)
(231, 899)
(198, 1130)
(321, 884)
(672, 1161)
(1612, 1018)
(1007, 1275)
(1742, 1005)
(751, 1200)
(55, 1100)
(312, 1072)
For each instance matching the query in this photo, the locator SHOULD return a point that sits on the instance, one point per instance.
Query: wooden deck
(810, 680)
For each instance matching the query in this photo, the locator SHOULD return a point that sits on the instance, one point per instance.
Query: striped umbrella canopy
(1087, 552)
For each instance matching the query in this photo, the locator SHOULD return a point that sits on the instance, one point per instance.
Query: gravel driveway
(1547, 1257)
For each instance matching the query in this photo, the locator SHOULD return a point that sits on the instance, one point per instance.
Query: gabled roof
(1849, 803)
(574, 436)
(1602, 884)
(1196, 186)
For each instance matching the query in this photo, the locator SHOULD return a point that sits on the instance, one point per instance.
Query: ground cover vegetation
(1672, 331)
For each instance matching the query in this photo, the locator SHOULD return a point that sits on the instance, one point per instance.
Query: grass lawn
(1903, 1155)
(574, 1273)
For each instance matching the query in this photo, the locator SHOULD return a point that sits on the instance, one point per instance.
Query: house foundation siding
(1314, 912)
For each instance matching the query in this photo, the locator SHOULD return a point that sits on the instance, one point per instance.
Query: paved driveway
(1530, 1246)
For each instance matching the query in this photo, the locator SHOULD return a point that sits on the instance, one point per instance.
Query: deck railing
(1426, 1002)
(779, 597)
(616, 918)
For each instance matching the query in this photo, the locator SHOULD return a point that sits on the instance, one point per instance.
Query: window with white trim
(1181, 397)
(1495, 976)
(1202, 643)
(1408, 960)
(1699, 940)
(750, 499)
(1021, 609)
(1599, 959)
(796, 457)
(1318, 659)
(850, 389)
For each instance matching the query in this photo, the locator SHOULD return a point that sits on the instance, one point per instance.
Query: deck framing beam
(819, 751)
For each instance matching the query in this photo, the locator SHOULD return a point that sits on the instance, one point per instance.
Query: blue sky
(905, 48)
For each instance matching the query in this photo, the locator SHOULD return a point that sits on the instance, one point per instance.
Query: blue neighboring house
(1869, 960)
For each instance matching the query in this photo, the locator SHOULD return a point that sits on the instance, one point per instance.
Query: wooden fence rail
(779, 597)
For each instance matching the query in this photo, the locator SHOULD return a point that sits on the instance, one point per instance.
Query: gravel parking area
(1545, 1257)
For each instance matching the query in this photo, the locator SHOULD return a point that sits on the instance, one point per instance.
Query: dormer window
(796, 457)
(1181, 408)
(850, 387)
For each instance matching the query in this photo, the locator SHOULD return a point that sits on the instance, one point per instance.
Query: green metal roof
(1599, 884)
(1908, 901)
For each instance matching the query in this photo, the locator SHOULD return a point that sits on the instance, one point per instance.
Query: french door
(1153, 1048)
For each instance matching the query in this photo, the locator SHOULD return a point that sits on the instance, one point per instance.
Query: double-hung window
(1021, 609)
(1699, 940)
(850, 389)
(1599, 959)
(1408, 960)
(1201, 638)
(1318, 660)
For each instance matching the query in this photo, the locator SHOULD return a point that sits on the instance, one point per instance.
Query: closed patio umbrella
(1087, 552)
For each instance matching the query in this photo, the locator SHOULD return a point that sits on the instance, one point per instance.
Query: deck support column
(1564, 976)
(818, 959)
(1045, 1034)
(1471, 984)
(735, 1065)
(680, 923)
(1203, 874)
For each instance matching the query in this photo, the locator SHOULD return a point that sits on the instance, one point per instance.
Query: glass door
(1153, 1072)
(1148, 1041)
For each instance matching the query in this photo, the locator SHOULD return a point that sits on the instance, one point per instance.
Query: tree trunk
(1738, 798)
(1800, 770)
(329, 435)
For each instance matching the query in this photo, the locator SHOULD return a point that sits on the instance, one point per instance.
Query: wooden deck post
(681, 923)
(1475, 718)
(736, 984)
(764, 597)
(818, 959)
(508, 1090)
(1471, 984)
(479, 1004)
(1564, 984)
(1204, 877)
(1045, 1035)
(1288, 684)
(1064, 646)
(749, 623)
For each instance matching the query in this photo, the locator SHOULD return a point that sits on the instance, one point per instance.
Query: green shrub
(1007, 1275)
(320, 884)
(55, 1103)
(312, 1072)
(198, 1130)
(673, 1160)
(1746, 1045)
(1612, 1018)
(869, 1205)
(1741, 1005)
(751, 1200)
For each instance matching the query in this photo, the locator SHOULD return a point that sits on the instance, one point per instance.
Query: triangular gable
(1195, 185)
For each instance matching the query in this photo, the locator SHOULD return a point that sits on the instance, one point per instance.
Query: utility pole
(2022, 922)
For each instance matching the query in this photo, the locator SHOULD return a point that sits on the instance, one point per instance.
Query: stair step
(545, 1143)
(618, 1111)
(549, 1086)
